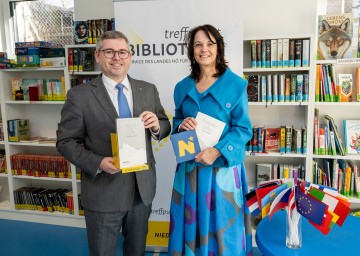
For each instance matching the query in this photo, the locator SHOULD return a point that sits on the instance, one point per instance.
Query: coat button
(230, 148)
(228, 105)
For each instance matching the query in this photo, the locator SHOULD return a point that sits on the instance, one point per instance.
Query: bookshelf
(273, 114)
(340, 111)
(43, 119)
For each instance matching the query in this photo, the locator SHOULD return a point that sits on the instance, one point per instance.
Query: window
(42, 20)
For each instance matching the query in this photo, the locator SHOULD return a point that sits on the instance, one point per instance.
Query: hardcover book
(345, 85)
(272, 139)
(352, 137)
(185, 145)
(263, 173)
(131, 142)
(336, 28)
(80, 32)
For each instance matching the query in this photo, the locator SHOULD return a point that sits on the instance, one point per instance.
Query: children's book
(345, 85)
(338, 29)
(352, 136)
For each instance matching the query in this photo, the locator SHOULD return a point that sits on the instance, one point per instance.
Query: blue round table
(343, 241)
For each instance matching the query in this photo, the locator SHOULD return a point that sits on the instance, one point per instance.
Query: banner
(156, 31)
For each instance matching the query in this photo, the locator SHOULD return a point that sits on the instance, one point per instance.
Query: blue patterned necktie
(124, 110)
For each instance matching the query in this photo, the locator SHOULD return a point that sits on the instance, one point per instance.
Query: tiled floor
(18, 238)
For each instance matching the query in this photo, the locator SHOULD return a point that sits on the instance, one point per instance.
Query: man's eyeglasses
(109, 53)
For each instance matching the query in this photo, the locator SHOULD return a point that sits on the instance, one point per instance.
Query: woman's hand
(207, 156)
(188, 124)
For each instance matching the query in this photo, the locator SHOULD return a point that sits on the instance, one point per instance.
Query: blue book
(186, 145)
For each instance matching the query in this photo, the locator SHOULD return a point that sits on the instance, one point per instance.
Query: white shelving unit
(340, 111)
(44, 117)
(276, 114)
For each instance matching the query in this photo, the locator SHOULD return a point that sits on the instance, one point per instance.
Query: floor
(19, 238)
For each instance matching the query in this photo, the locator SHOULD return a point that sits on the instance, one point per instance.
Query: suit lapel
(103, 98)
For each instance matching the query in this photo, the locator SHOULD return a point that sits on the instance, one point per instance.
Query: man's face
(81, 31)
(114, 68)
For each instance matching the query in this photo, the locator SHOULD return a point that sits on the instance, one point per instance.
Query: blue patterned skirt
(207, 214)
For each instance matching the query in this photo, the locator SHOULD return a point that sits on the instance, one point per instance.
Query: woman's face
(205, 51)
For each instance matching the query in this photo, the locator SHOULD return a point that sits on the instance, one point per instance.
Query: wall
(279, 17)
(93, 9)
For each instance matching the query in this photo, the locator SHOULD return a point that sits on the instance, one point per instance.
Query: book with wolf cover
(352, 136)
(337, 29)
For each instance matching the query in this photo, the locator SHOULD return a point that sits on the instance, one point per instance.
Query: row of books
(331, 87)
(5, 62)
(340, 174)
(284, 139)
(279, 53)
(45, 200)
(80, 59)
(38, 165)
(37, 89)
(88, 31)
(268, 171)
(329, 141)
(278, 88)
(39, 54)
(79, 80)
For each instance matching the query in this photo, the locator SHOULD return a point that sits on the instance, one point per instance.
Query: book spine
(280, 52)
(285, 52)
(263, 53)
(298, 52)
(253, 53)
(258, 53)
(281, 87)
(357, 83)
(305, 52)
(282, 139)
(288, 139)
(275, 85)
(287, 88)
(299, 87)
(268, 53)
(292, 53)
(292, 87)
(269, 88)
(263, 88)
(304, 140)
(305, 89)
(274, 53)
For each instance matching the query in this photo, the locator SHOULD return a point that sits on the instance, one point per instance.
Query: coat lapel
(103, 98)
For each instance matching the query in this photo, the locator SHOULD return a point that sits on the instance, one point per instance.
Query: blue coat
(225, 100)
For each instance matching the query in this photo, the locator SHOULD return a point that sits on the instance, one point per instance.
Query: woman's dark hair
(221, 63)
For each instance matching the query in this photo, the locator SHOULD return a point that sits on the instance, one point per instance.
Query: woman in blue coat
(208, 213)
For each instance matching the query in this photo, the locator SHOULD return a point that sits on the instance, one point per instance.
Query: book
(285, 52)
(253, 54)
(352, 136)
(338, 140)
(305, 62)
(185, 145)
(357, 84)
(263, 173)
(253, 88)
(272, 139)
(18, 129)
(345, 85)
(208, 130)
(131, 142)
(298, 52)
(80, 32)
(273, 53)
(336, 28)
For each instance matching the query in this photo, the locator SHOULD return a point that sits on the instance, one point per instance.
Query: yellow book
(116, 157)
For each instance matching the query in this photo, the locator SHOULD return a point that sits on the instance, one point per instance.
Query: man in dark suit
(113, 201)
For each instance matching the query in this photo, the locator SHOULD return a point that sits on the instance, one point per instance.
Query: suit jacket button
(230, 148)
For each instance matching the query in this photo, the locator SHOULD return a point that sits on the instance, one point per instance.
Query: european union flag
(186, 145)
(310, 208)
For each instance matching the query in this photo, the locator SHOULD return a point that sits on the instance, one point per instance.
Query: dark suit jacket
(83, 138)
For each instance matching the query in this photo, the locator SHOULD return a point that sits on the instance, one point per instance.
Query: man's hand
(150, 120)
(207, 156)
(107, 165)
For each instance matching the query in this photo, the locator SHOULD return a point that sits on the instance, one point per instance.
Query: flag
(326, 226)
(280, 202)
(310, 208)
(252, 203)
(261, 192)
(335, 205)
(269, 198)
